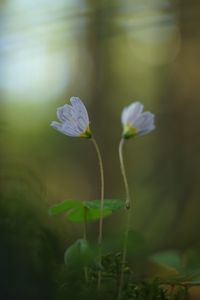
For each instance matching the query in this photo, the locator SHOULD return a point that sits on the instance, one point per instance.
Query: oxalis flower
(74, 120)
(135, 121)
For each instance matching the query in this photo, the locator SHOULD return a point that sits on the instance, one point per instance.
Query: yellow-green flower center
(87, 133)
(129, 131)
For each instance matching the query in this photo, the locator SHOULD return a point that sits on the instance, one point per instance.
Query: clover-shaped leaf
(87, 214)
(80, 211)
(64, 206)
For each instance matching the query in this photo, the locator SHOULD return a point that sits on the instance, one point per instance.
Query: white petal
(82, 124)
(80, 109)
(65, 113)
(144, 120)
(145, 123)
(56, 125)
(74, 118)
(70, 129)
(147, 130)
(65, 128)
(124, 115)
(78, 128)
(131, 113)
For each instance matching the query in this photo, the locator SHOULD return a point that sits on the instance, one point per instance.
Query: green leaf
(168, 259)
(64, 206)
(78, 211)
(185, 264)
(79, 215)
(79, 254)
(110, 204)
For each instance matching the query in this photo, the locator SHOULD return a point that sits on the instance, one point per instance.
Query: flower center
(87, 133)
(129, 131)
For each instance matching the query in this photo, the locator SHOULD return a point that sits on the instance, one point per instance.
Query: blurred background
(108, 53)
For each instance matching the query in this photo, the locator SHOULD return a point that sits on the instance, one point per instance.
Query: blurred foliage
(28, 247)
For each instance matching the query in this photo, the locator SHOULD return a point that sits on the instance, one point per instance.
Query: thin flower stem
(85, 238)
(124, 254)
(86, 274)
(85, 224)
(127, 202)
(127, 205)
(101, 209)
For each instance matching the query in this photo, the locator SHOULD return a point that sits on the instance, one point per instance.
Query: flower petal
(145, 123)
(144, 119)
(147, 130)
(82, 124)
(80, 109)
(65, 128)
(132, 112)
(65, 113)
(71, 129)
(56, 125)
(74, 119)
(135, 121)
(124, 115)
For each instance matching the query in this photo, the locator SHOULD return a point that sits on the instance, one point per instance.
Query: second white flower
(135, 121)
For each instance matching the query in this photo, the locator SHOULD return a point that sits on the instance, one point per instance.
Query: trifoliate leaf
(64, 206)
(80, 211)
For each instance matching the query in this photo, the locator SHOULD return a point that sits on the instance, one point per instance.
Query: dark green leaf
(79, 254)
(168, 259)
(64, 206)
(79, 215)
(78, 211)
(110, 204)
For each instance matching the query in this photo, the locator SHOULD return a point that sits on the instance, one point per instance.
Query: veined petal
(80, 109)
(145, 123)
(147, 130)
(124, 115)
(70, 129)
(133, 112)
(81, 123)
(63, 129)
(65, 113)
(56, 125)
(74, 119)
(144, 119)
(135, 121)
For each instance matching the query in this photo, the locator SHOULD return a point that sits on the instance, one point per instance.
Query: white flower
(74, 120)
(135, 121)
